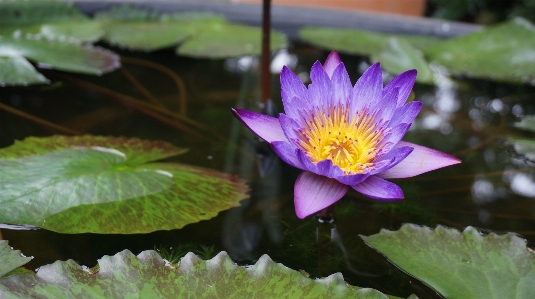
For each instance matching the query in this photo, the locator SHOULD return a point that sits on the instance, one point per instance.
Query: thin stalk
(140, 87)
(143, 106)
(183, 104)
(266, 53)
(38, 120)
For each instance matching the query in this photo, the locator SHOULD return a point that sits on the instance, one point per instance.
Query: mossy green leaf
(464, 264)
(16, 70)
(10, 259)
(106, 185)
(398, 56)
(137, 150)
(503, 52)
(149, 276)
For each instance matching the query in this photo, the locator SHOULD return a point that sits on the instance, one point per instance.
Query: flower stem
(327, 215)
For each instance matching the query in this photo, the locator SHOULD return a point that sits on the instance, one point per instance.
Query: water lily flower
(345, 136)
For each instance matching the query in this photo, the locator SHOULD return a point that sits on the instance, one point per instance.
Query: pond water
(493, 189)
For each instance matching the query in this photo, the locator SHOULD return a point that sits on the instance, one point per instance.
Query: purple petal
(393, 157)
(341, 85)
(422, 159)
(352, 179)
(313, 193)
(377, 188)
(290, 127)
(309, 165)
(405, 114)
(368, 89)
(266, 127)
(332, 61)
(320, 90)
(396, 133)
(293, 92)
(404, 82)
(287, 153)
(386, 107)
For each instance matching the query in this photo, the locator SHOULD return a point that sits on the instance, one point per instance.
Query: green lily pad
(503, 52)
(350, 41)
(200, 35)
(526, 123)
(73, 31)
(82, 59)
(10, 259)
(145, 35)
(149, 276)
(16, 70)
(36, 12)
(396, 53)
(105, 185)
(523, 146)
(358, 42)
(398, 56)
(220, 39)
(461, 264)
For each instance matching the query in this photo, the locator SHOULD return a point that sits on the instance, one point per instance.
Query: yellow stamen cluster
(352, 144)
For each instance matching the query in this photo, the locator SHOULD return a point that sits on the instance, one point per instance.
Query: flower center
(352, 144)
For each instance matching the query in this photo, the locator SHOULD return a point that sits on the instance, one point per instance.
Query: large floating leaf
(398, 56)
(10, 259)
(61, 55)
(145, 35)
(461, 264)
(349, 41)
(220, 39)
(105, 185)
(504, 52)
(148, 276)
(396, 53)
(24, 12)
(202, 35)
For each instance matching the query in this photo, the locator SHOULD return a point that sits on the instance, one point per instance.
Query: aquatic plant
(343, 136)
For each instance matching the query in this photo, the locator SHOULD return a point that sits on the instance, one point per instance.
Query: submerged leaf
(523, 146)
(148, 276)
(461, 264)
(10, 259)
(527, 123)
(105, 185)
(504, 52)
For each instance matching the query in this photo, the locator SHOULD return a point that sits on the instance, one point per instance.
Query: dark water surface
(493, 189)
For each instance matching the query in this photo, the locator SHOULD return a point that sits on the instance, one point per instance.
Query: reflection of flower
(343, 136)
